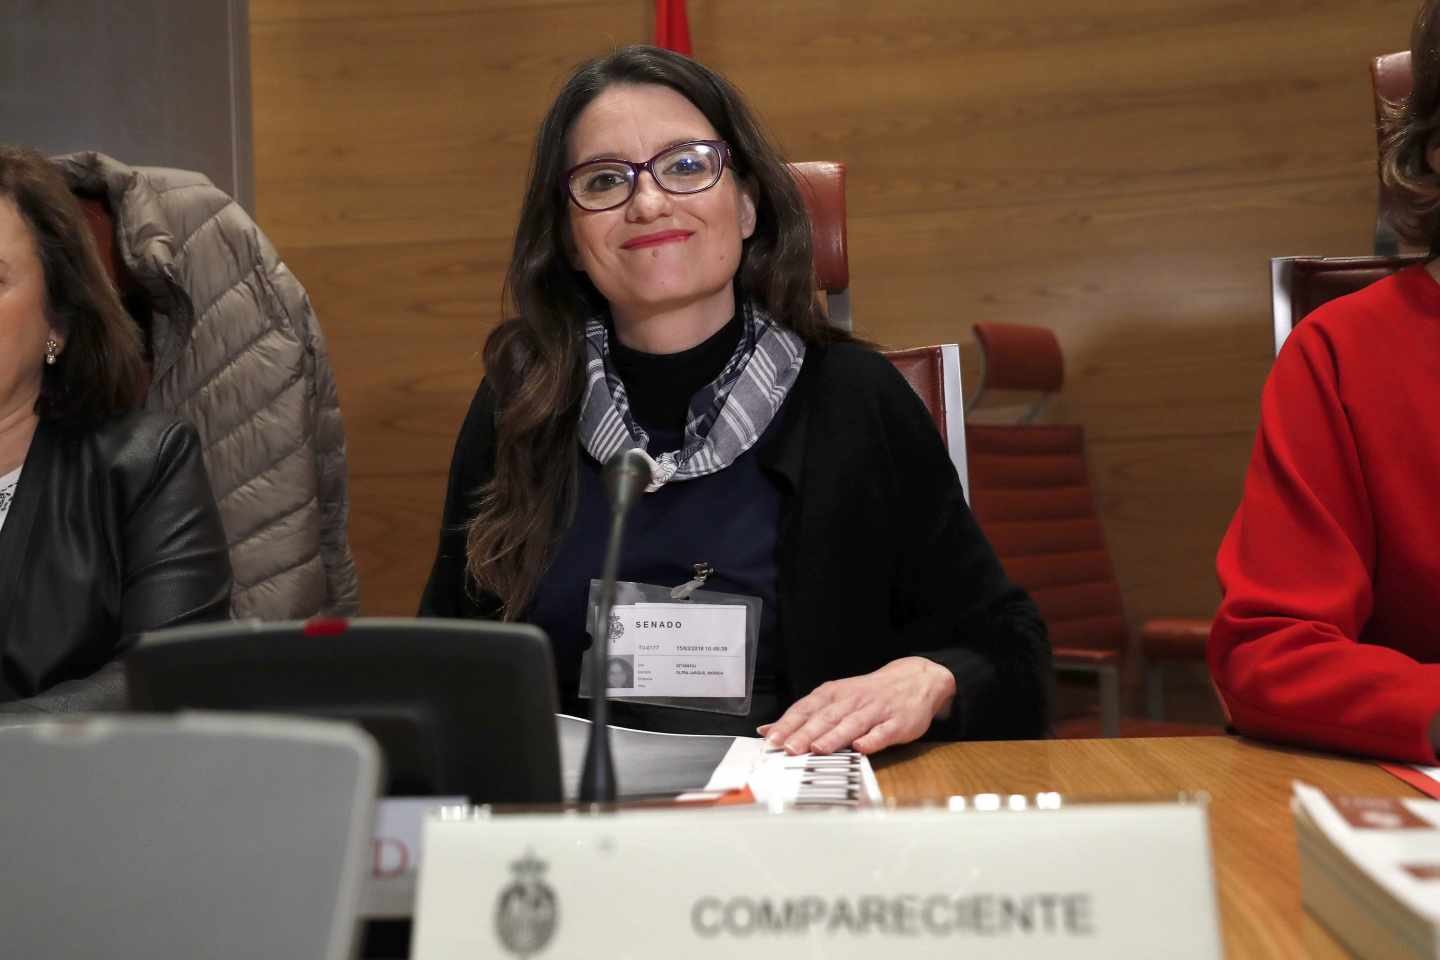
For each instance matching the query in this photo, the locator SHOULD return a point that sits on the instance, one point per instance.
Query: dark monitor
(457, 706)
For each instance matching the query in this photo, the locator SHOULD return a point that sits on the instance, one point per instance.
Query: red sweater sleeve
(1297, 567)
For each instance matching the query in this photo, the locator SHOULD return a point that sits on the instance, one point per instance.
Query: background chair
(1031, 494)
(822, 185)
(1391, 82)
(1031, 491)
(102, 227)
(199, 836)
(1301, 284)
(1030, 361)
(934, 374)
(1029, 487)
(233, 346)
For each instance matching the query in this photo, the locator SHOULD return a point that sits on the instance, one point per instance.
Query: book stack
(1370, 871)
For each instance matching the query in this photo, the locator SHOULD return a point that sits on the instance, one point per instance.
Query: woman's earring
(52, 351)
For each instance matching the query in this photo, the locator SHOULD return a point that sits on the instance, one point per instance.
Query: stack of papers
(1370, 870)
(808, 782)
(699, 768)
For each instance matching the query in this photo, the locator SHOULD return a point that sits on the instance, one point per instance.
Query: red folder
(1423, 782)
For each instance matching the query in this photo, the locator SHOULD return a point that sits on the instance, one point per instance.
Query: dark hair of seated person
(104, 367)
(1411, 136)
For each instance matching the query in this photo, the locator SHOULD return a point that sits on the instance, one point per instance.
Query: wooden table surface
(1252, 836)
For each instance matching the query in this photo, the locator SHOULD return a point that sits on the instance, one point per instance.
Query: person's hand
(895, 704)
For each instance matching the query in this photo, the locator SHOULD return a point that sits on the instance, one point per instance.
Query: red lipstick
(655, 239)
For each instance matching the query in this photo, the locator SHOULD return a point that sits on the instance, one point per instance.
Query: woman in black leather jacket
(108, 527)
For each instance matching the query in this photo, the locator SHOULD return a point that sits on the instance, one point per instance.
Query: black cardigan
(879, 556)
(113, 532)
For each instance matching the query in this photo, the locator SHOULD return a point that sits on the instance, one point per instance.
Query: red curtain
(672, 26)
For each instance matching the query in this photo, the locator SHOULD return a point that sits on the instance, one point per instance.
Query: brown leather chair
(1301, 284)
(934, 373)
(1391, 82)
(102, 227)
(822, 184)
(139, 303)
(1031, 492)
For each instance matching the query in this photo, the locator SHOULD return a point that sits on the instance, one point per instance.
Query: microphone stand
(597, 780)
(627, 473)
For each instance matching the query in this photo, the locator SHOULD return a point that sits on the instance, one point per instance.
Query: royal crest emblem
(527, 913)
(617, 627)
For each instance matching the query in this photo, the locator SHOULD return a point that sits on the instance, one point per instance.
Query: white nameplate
(677, 650)
(1103, 881)
(395, 854)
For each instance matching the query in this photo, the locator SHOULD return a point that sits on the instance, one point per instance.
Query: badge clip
(702, 573)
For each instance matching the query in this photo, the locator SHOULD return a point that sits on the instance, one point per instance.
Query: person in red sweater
(1329, 631)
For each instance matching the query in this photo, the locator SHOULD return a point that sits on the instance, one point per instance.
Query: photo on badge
(620, 673)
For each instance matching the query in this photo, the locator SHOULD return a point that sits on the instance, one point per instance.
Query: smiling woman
(661, 249)
(664, 300)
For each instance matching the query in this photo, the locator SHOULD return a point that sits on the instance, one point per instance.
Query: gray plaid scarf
(726, 417)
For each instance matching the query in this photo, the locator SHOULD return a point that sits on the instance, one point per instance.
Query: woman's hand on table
(890, 706)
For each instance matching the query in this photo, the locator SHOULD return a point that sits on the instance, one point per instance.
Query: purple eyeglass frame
(719, 146)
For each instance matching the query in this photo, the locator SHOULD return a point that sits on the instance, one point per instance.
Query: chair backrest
(1298, 285)
(102, 227)
(822, 185)
(1016, 356)
(204, 835)
(1030, 490)
(934, 373)
(1391, 82)
(228, 312)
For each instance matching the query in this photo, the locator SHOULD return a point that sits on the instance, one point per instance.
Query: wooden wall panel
(1121, 175)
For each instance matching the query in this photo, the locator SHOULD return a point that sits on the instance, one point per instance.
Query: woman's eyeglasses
(684, 168)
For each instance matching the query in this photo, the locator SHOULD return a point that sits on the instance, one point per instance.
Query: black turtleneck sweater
(729, 519)
(660, 385)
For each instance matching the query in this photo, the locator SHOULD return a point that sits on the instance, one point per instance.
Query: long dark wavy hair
(1412, 128)
(101, 370)
(535, 360)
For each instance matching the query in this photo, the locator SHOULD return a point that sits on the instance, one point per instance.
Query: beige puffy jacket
(237, 351)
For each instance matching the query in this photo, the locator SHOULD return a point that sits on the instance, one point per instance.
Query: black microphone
(626, 476)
